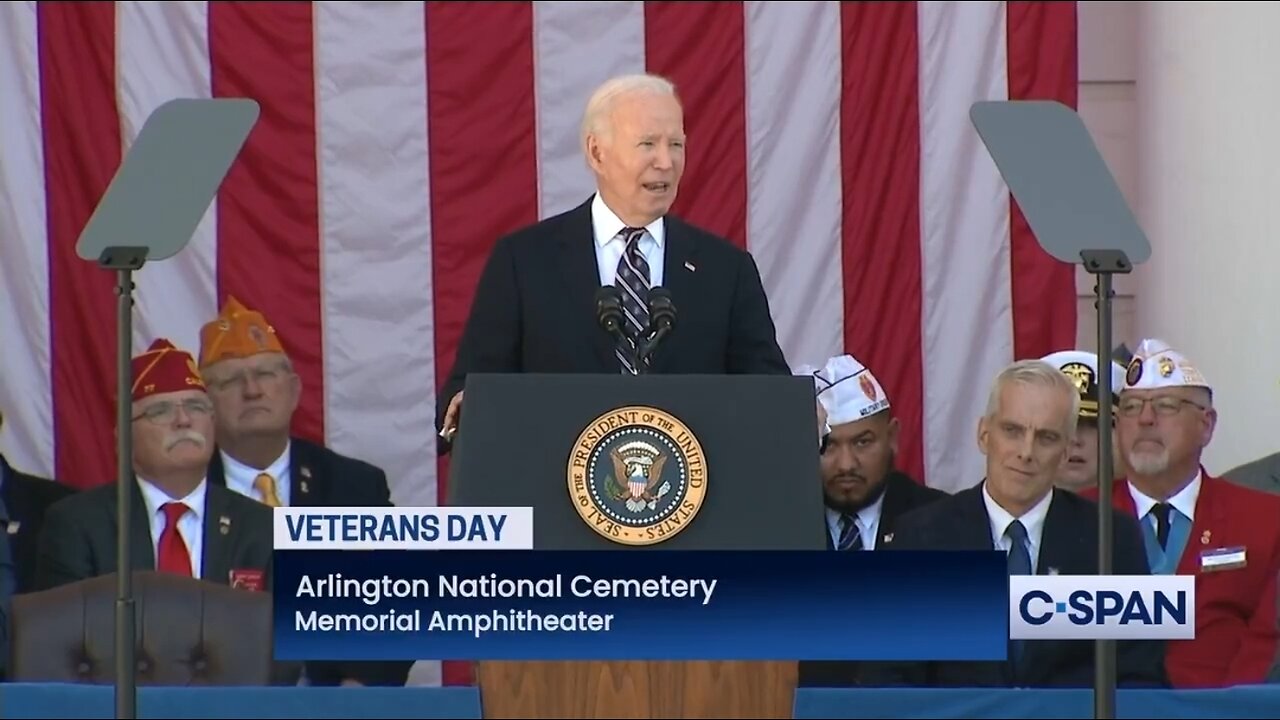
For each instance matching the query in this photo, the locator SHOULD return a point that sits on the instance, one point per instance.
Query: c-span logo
(637, 476)
(1102, 607)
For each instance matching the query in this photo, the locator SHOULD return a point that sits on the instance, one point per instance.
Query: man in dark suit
(26, 498)
(535, 306)
(255, 393)
(182, 524)
(1043, 530)
(864, 494)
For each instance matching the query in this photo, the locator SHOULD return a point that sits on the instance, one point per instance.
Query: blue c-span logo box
(1102, 607)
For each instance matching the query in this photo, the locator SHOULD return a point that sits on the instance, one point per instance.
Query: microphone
(609, 311)
(662, 319)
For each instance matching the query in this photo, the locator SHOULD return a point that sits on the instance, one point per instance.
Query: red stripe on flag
(268, 207)
(701, 48)
(483, 164)
(1042, 66)
(880, 170)
(82, 151)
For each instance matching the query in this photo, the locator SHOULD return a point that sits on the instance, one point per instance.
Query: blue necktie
(633, 280)
(850, 536)
(1019, 564)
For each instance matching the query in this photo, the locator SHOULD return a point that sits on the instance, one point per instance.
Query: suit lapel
(141, 546)
(219, 536)
(973, 526)
(1060, 544)
(1211, 517)
(308, 486)
(896, 503)
(581, 273)
(679, 273)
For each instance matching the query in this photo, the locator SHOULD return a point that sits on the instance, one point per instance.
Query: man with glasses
(185, 525)
(256, 391)
(1197, 524)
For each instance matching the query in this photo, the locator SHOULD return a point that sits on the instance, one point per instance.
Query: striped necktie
(632, 279)
(850, 534)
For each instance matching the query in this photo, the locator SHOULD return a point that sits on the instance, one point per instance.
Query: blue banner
(628, 605)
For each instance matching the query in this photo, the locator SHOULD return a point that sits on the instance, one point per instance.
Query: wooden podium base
(637, 689)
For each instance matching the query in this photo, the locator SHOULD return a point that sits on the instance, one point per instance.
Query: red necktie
(173, 556)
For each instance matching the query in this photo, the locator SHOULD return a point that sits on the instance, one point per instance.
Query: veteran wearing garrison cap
(183, 524)
(1197, 524)
(863, 491)
(1080, 470)
(256, 391)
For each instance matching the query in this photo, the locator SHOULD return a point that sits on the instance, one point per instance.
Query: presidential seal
(637, 476)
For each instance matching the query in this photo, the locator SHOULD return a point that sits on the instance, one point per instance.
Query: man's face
(857, 461)
(1165, 428)
(1025, 442)
(256, 395)
(172, 432)
(638, 158)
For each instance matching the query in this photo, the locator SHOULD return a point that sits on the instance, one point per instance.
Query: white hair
(1035, 372)
(601, 103)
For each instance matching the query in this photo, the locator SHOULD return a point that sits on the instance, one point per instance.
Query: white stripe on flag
(163, 52)
(379, 329)
(793, 158)
(26, 392)
(968, 321)
(577, 46)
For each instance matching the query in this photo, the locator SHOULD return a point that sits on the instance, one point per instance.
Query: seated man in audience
(182, 524)
(864, 493)
(26, 498)
(1196, 524)
(1080, 471)
(1025, 433)
(255, 393)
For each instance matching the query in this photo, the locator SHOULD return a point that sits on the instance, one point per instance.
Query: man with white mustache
(182, 524)
(1197, 524)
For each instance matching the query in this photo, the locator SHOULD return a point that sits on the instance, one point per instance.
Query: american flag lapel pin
(689, 266)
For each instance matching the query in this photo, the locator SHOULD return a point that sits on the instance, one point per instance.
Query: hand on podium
(450, 425)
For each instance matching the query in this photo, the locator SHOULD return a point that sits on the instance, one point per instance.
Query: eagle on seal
(633, 486)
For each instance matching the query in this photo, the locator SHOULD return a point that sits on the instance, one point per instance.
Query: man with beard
(183, 524)
(1197, 524)
(1080, 471)
(863, 492)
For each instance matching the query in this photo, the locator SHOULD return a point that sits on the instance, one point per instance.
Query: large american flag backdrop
(398, 140)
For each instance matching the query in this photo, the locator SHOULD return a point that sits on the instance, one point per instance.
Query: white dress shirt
(190, 527)
(1184, 502)
(1032, 521)
(610, 245)
(240, 477)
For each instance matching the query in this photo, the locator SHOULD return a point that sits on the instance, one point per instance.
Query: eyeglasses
(1163, 406)
(163, 412)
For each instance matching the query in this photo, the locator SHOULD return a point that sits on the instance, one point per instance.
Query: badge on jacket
(247, 579)
(1223, 559)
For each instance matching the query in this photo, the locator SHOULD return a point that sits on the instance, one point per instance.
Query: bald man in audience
(1196, 524)
(184, 524)
(1080, 471)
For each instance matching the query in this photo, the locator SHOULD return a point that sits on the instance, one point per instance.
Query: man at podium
(538, 305)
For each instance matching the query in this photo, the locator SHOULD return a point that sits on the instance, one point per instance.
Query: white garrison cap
(1082, 368)
(847, 390)
(1157, 365)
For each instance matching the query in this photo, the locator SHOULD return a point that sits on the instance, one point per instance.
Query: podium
(711, 462)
